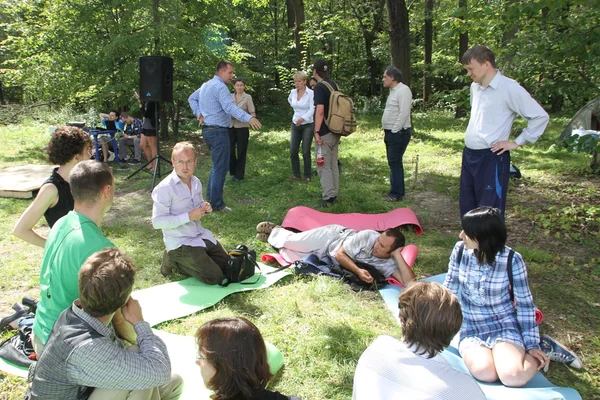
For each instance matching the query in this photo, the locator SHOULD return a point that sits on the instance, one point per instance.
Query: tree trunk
(156, 20)
(400, 37)
(463, 46)
(428, 49)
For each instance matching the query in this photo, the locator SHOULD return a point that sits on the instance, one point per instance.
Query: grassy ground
(319, 324)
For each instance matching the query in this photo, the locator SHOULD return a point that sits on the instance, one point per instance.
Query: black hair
(223, 65)
(486, 226)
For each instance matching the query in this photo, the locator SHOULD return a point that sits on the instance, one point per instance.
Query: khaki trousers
(329, 173)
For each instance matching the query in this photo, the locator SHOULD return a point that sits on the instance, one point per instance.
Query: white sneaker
(111, 156)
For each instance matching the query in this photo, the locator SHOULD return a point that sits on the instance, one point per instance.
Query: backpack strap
(461, 248)
(511, 253)
(331, 89)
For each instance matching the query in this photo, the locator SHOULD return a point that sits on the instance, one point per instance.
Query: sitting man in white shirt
(177, 210)
(345, 247)
(412, 367)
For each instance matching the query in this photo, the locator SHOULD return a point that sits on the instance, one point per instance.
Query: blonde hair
(183, 147)
(300, 76)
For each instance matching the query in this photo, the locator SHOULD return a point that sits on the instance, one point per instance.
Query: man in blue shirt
(213, 105)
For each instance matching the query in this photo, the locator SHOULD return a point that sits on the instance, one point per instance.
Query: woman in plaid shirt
(499, 337)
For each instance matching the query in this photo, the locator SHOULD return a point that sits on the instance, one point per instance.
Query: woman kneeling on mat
(233, 360)
(499, 337)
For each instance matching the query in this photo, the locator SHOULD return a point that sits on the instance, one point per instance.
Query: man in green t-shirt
(72, 240)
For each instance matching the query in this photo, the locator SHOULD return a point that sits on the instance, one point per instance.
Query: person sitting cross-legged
(412, 367)
(177, 210)
(345, 247)
(85, 358)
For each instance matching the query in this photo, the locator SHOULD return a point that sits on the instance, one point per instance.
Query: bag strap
(461, 248)
(331, 89)
(511, 253)
(253, 261)
(283, 268)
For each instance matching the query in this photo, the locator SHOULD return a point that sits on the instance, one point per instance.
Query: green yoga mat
(178, 299)
(182, 352)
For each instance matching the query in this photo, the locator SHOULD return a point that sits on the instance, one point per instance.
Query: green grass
(319, 324)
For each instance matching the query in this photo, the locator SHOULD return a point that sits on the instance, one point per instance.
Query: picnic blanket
(304, 218)
(182, 352)
(179, 299)
(538, 388)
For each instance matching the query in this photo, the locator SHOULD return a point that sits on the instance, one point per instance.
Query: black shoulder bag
(241, 266)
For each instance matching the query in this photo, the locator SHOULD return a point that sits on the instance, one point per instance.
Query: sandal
(265, 227)
(263, 237)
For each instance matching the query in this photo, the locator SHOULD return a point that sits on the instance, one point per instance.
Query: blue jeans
(395, 146)
(303, 133)
(218, 143)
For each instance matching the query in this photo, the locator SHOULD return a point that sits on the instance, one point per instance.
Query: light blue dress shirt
(214, 102)
(494, 109)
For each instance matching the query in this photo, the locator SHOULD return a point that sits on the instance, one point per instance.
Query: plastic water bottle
(320, 158)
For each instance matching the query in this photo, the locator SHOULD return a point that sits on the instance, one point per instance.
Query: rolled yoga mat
(303, 218)
(539, 388)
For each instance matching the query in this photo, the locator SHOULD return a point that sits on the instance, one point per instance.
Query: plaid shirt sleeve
(451, 281)
(105, 364)
(524, 303)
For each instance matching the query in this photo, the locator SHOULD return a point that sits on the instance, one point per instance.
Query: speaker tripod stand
(157, 158)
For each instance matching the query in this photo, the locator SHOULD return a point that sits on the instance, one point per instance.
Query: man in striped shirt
(213, 105)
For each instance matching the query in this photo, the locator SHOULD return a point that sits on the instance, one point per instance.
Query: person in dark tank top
(68, 146)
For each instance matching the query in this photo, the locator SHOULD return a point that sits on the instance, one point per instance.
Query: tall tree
(463, 46)
(428, 49)
(369, 15)
(400, 37)
(296, 19)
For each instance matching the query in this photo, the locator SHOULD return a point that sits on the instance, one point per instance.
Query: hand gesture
(254, 123)
(300, 121)
(365, 276)
(197, 213)
(540, 356)
(206, 207)
(501, 147)
(136, 94)
(132, 311)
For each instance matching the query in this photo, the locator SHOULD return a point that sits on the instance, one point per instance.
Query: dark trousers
(207, 264)
(395, 146)
(303, 133)
(238, 139)
(483, 180)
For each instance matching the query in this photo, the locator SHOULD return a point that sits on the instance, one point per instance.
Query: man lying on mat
(345, 247)
(177, 210)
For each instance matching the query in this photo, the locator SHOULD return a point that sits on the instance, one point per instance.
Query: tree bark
(428, 49)
(400, 37)
(296, 19)
(463, 46)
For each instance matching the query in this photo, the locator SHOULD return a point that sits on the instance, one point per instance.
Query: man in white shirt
(495, 102)
(411, 367)
(397, 128)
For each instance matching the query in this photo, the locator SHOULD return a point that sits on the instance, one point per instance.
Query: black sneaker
(557, 352)
(134, 162)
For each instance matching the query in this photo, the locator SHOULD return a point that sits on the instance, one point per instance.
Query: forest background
(84, 53)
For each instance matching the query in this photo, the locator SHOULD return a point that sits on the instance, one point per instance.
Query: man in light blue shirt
(177, 209)
(213, 105)
(495, 102)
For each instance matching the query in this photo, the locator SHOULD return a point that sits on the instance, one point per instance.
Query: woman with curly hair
(67, 147)
(233, 360)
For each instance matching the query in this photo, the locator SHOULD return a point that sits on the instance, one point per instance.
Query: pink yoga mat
(304, 218)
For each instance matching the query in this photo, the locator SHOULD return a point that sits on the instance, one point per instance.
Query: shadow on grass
(28, 155)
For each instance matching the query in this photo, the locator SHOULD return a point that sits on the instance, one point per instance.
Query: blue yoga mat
(539, 388)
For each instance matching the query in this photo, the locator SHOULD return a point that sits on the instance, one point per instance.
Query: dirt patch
(436, 211)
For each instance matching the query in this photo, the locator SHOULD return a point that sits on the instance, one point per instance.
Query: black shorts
(149, 132)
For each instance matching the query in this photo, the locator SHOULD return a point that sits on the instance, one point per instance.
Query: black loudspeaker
(156, 78)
